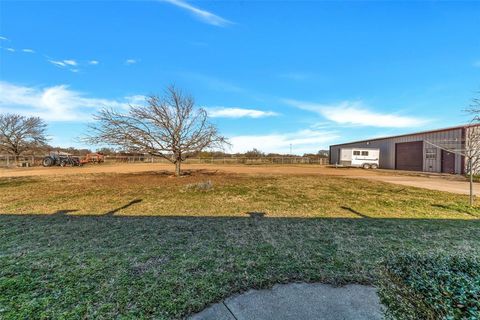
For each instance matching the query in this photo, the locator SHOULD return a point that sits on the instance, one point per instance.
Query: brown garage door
(409, 156)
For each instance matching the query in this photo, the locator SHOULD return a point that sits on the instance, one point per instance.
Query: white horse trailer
(360, 157)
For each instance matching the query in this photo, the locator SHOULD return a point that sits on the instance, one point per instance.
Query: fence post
(8, 160)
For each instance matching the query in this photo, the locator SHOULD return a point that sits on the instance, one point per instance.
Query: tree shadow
(64, 212)
(465, 210)
(355, 212)
(112, 212)
(256, 214)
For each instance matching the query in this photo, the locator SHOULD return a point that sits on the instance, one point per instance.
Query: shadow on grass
(64, 212)
(355, 212)
(112, 212)
(193, 261)
(256, 214)
(471, 211)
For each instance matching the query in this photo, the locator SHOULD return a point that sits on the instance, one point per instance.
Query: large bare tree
(169, 126)
(19, 134)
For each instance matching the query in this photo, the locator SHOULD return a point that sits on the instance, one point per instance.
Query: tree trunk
(177, 168)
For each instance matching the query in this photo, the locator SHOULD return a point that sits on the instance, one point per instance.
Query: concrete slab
(217, 311)
(301, 301)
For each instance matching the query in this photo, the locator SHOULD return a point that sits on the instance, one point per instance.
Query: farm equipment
(65, 159)
(60, 159)
(92, 158)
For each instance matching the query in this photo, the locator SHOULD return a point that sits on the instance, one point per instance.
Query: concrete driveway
(299, 301)
(439, 183)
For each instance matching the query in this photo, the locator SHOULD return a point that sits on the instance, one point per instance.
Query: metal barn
(422, 151)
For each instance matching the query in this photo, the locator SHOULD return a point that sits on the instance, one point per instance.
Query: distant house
(427, 151)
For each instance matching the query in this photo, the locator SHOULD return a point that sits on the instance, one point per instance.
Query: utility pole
(291, 149)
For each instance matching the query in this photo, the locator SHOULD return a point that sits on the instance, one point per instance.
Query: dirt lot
(446, 183)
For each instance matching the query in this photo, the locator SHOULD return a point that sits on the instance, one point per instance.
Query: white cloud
(63, 63)
(223, 112)
(304, 141)
(75, 70)
(10, 49)
(203, 15)
(130, 61)
(57, 63)
(70, 62)
(28, 50)
(3, 38)
(356, 113)
(57, 103)
(93, 62)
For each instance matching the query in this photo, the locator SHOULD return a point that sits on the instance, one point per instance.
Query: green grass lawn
(165, 247)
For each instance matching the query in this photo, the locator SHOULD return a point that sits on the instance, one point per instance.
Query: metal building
(422, 151)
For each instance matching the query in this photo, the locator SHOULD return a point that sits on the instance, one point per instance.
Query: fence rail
(29, 161)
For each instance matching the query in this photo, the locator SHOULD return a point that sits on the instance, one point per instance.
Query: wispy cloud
(10, 49)
(3, 38)
(224, 112)
(56, 103)
(64, 63)
(477, 64)
(356, 113)
(130, 61)
(57, 63)
(303, 141)
(201, 14)
(70, 62)
(93, 62)
(28, 50)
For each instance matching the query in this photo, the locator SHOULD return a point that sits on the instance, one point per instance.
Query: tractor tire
(48, 161)
(63, 163)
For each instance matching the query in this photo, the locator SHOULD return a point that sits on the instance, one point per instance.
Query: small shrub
(200, 186)
(431, 287)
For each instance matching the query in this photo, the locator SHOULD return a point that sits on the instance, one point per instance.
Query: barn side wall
(387, 149)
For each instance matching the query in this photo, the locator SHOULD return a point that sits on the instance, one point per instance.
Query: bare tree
(472, 154)
(169, 126)
(472, 144)
(19, 134)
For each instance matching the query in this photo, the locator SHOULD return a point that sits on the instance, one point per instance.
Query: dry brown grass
(158, 193)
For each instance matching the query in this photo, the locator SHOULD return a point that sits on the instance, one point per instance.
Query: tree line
(170, 126)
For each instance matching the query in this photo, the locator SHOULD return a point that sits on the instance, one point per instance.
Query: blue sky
(270, 73)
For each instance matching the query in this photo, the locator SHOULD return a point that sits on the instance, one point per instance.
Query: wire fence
(35, 160)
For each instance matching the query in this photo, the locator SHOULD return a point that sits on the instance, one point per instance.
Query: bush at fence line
(414, 286)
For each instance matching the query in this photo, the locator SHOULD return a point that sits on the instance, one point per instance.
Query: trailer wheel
(374, 166)
(366, 166)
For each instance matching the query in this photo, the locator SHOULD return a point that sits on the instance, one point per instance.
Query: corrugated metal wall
(431, 163)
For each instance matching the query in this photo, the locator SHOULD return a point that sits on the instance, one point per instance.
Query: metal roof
(409, 134)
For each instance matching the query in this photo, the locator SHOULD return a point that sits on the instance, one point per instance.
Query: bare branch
(19, 134)
(169, 126)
